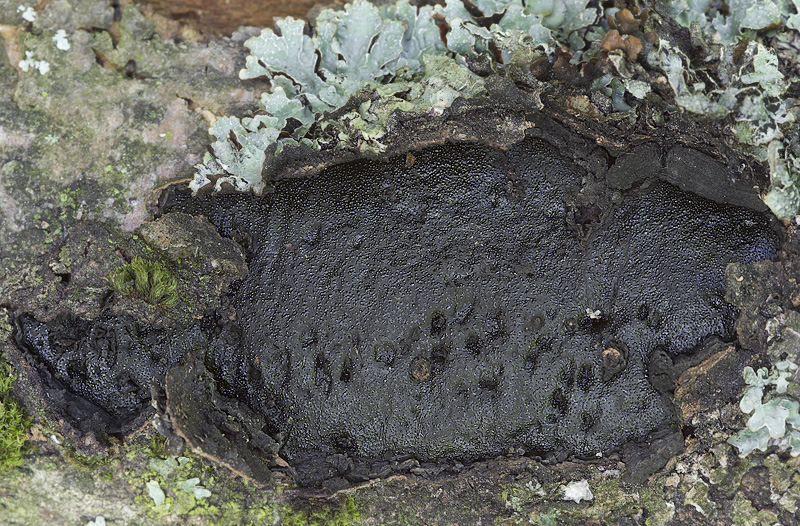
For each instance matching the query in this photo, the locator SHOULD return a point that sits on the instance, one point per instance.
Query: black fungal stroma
(470, 302)
(450, 308)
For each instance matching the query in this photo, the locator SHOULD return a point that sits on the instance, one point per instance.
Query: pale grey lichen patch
(771, 397)
(776, 421)
(736, 19)
(736, 82)
(577, 491)
(752, 90)
(11, 212)
(68, 496)
(317, 74)
(29, 63)
(744, 38)
(391, 59)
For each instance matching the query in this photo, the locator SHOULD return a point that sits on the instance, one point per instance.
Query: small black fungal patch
(109, 363)
(424, 309)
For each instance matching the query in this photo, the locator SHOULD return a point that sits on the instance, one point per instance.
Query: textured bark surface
(84, 152)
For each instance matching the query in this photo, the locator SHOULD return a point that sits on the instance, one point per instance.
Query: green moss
(345, 514)
(13, 423)
(146, 280)
(167, 474)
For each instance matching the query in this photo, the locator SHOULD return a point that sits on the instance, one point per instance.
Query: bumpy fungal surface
(107, 365)
(461, 300)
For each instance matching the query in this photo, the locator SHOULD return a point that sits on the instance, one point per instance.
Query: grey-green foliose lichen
(771, 397)
(393, 55)
(337, 86)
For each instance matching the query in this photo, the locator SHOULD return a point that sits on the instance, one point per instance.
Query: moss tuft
(346, 514)
(13, 423)
(146, 280)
